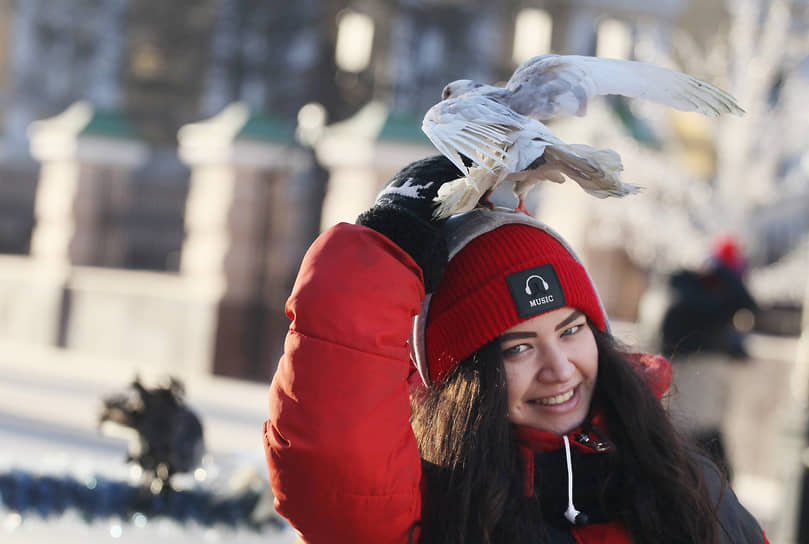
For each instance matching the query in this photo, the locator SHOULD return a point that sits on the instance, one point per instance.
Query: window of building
(532, 34)
(355, 36)
(614, 39)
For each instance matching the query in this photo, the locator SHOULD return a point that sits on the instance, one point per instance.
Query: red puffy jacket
(343, 460)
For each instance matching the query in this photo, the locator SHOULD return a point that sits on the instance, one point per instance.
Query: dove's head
(463, 86)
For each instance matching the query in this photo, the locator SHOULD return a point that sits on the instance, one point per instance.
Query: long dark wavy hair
(475, 475)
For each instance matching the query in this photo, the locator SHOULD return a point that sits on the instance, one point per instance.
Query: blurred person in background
(510, 415)
(703, 332)
(704, 303)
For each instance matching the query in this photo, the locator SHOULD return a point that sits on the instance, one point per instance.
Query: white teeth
(558, 399)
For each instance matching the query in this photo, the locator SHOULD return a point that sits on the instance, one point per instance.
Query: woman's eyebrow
(572, 317)
(515, 336)
(530, 334)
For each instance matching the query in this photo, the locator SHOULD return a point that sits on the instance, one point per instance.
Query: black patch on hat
(536, 290)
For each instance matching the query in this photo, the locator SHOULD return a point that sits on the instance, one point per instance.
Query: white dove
(500, 128)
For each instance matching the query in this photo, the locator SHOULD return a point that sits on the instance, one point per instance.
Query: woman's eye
(571, 330)
(514, 350)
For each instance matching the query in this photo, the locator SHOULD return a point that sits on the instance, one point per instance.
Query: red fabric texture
(601, 533)
(726, 249)
(343, 460)
(539, 441)
(473, 304)
(655, 370)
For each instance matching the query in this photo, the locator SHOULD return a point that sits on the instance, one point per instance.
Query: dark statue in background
(165, 439)
(168, 434)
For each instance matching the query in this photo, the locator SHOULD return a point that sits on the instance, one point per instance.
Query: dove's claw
(485, 201)
(521, 207)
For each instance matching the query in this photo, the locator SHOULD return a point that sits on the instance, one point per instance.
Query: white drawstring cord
(571, 513)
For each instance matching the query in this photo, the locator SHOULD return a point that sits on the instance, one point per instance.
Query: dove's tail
(597, 171)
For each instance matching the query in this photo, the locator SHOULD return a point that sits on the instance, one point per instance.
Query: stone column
(236, 223)
(85, 155)
(362, 153)
(79, 155)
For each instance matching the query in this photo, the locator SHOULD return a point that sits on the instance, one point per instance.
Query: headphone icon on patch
(528, 290)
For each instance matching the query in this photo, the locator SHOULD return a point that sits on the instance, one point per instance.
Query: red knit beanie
(504, 268)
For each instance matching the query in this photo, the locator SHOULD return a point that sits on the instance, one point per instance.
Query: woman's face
(551, 363)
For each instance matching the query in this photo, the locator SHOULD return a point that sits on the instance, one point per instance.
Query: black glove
(403, 212)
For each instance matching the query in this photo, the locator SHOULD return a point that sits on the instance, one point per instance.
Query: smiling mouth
(556, 399)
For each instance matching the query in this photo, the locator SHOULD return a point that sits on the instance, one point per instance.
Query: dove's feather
(597, 171)
(498, 140)
(500, 128)
(549, 85)
(479, 129)
(518, 145)
(457, 196)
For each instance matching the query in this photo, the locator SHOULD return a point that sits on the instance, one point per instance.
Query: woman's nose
(555, 365)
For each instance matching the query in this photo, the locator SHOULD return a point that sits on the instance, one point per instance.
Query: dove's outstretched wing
(474, 126)
(549, 85)
(483, 130)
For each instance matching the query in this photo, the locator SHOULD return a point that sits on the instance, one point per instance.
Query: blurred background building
(164, 165)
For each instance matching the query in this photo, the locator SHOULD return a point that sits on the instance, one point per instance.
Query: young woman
(525, 423)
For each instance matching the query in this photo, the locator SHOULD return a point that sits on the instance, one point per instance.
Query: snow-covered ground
(49, 402)
(73, 530)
